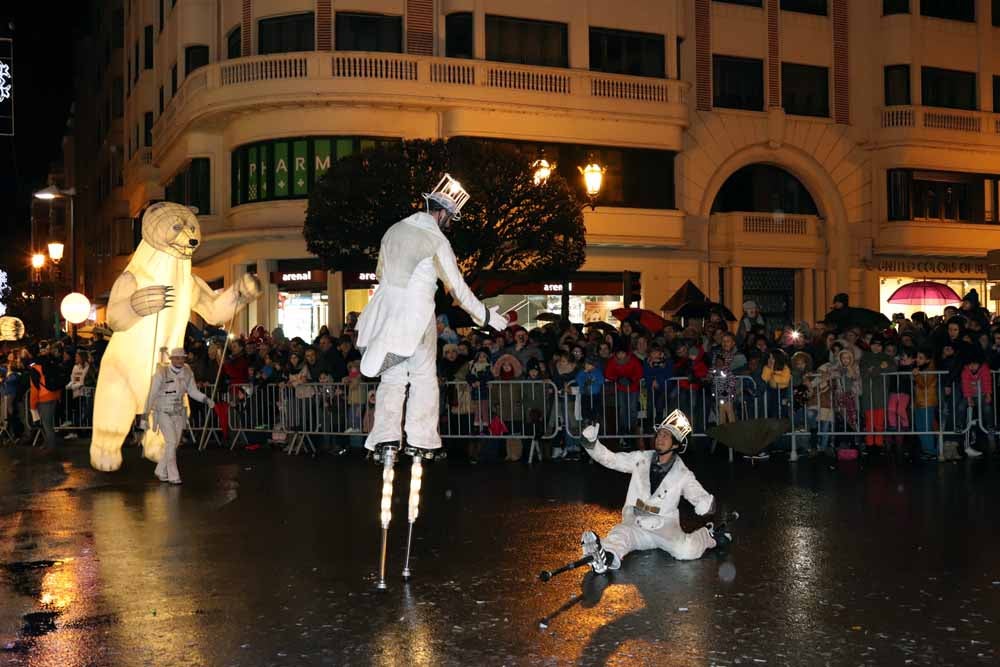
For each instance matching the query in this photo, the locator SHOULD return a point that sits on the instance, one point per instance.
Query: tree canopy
(509, 227)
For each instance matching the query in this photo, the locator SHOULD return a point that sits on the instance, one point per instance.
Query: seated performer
(650, 518)
(167, 412)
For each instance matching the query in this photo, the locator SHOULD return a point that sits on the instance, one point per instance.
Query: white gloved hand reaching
(590, 434)
(495, 319)
(210, 403)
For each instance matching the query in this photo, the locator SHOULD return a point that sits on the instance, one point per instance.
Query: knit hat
(533, 365)
(842, 298)
(750, 305)
(972, 297)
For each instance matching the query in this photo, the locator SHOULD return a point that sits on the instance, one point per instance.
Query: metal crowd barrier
(875, 407)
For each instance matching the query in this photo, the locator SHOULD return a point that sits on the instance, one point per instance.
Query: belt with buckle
(646, 507)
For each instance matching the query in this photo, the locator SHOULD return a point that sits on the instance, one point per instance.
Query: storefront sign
(557, 287)
(302, 279)
(923, 266)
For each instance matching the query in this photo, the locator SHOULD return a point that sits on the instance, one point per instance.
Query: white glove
(151, 300)
(590, 433)
(248, 288)
(495, 319)
(143, 425)
(210, 403)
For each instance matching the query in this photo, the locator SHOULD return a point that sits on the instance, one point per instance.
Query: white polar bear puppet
(149, 308)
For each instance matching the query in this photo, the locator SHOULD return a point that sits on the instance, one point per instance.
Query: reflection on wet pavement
(259, 559)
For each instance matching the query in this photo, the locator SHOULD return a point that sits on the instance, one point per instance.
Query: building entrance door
(774, 292)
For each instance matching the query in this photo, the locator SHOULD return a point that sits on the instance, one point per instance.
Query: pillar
(808, 298)
(335, 301)
(735, 288)
(246, 28)
(479, 30)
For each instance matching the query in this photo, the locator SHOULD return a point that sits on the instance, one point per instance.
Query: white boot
(591, 545)
(972, 453)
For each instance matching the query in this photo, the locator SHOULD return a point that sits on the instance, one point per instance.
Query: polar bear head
(171, 228)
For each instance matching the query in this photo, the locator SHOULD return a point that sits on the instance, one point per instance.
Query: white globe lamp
(75, 308)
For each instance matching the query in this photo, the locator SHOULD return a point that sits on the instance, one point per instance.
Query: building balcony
(468, 94)
(776, 239)
(634, 227)
(937, 238)
(916, 124)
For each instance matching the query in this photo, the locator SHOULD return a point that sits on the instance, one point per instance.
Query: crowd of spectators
(832, 378)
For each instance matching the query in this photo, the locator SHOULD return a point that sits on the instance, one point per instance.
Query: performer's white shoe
(591, 545)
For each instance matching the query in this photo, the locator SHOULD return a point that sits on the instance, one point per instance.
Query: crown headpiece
(678, 425)
(450, 195)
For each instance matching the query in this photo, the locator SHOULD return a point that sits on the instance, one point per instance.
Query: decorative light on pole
(75, 308)
(593, 179)
(55, 192)
(56, 251)
(541, 169)
(37, 261)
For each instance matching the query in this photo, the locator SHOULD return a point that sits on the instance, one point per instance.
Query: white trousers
(422, 415)
(658, 533)
(172, 429)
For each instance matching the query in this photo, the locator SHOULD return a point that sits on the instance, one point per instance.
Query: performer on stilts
(650, 518)
(397, 335)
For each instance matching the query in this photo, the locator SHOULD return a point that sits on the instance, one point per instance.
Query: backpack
(56, 377)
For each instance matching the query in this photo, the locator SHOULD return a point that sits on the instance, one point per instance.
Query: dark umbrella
(685, 293)
(647, 319)
(603, 326)
(751, 436)
(845, 318)
(700, 310)
(548, 317)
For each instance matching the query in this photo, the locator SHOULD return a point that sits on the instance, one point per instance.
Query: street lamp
(593, 179)
(56, 251)
(37, 261)
(55, 192)
(541, 169)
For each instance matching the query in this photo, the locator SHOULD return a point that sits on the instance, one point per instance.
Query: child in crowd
(591, 383)
(977, 396)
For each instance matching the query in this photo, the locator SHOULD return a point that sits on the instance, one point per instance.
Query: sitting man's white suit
(650, 518)
(397, 330)
(148, 310)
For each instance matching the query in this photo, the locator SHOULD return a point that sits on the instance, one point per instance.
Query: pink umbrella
(925, 293)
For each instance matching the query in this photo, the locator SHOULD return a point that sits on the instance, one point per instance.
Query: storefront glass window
(302, 313)
(889, 284)
(582, 308)
(287, 168)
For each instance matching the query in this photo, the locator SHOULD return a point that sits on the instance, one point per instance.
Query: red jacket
(972, 385)
(237, 369)
(691, 372)
(631, 370)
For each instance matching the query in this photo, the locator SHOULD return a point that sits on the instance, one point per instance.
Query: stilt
(416, 478)
(385, 513)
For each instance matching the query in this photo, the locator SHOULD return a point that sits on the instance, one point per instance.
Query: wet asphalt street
(262, 559)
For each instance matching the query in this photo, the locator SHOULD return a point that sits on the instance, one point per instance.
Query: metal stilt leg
(385, 513)
(416, 478)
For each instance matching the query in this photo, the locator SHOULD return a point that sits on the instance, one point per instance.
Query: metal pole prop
(416, 478)
(385, 513)
(203, 441)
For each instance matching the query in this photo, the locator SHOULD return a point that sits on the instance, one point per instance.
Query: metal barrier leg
(534, 450)
(941, 447)
(794, 456)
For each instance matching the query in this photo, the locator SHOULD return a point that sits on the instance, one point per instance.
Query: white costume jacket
(413, 255)
(650, 518)
(167, 391)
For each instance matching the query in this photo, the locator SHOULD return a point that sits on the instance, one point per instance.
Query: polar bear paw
(105, 459)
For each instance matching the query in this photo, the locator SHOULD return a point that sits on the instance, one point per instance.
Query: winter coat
(925, 388)
(590, 383)
(974, 384)
(660, 376)
(76, 379)
(691, 371)
(874, 388)
(776, 379)
(626, 376)
(479, 378)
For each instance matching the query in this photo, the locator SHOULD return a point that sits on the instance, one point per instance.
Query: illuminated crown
(449, 194)
(678, 425)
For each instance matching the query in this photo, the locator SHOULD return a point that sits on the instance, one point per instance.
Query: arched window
(763, 188)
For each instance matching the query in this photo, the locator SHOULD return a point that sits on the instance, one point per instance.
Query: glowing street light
(56, 251)
(541, 169)
(37, 260)
(75, 308)
(593, 179)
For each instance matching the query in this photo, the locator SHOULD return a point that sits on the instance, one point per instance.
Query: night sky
(43, 92)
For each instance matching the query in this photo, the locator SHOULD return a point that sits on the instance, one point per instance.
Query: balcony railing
(945, 124)
(412, 77)
(748, 232)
